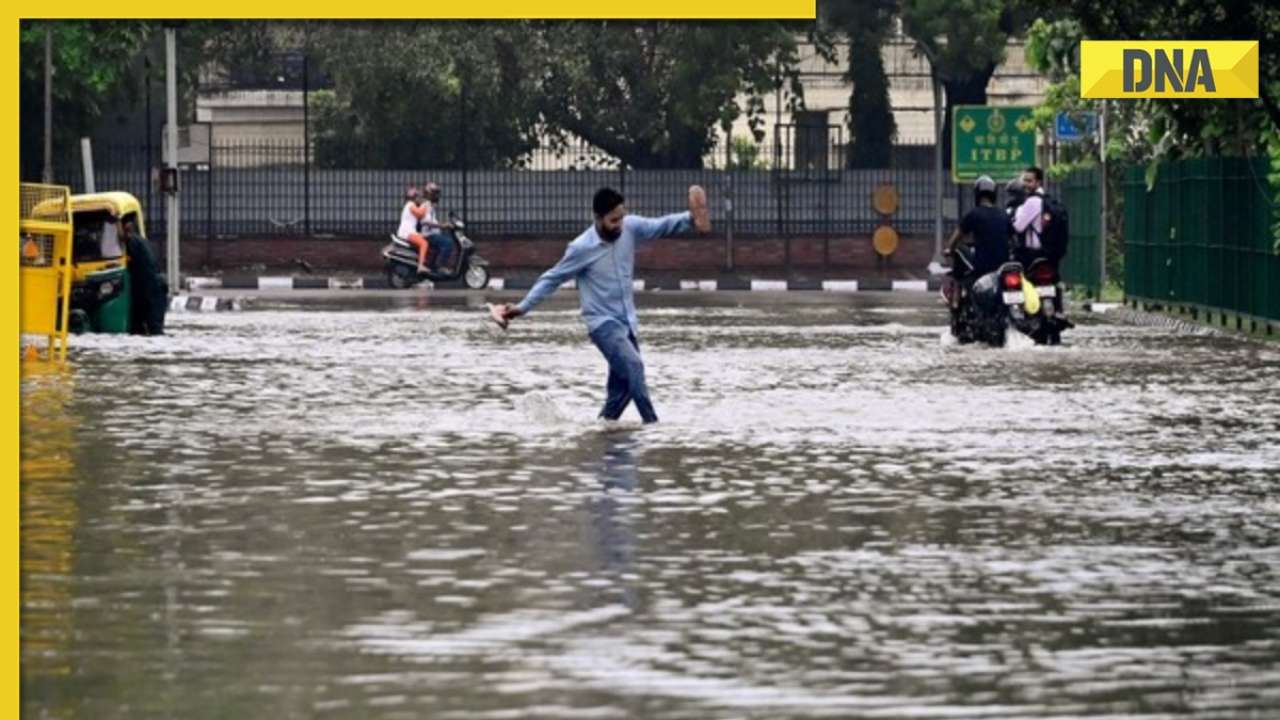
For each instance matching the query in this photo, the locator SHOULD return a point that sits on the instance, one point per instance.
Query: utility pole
(47, 176)
(171, 192)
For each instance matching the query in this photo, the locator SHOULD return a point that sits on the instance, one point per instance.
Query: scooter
(1046, 326)
(402, 261)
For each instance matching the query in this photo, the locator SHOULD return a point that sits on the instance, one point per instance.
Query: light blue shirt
(604, 270)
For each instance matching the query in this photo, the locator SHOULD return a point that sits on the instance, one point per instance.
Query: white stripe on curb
(637, 285)
(572, 285)
(275, 283)
(703, 285)
(203, 283)
(497, 283)
(912, 285)
(200, 303)
(340, 284)
(840, 285)
(768, 285)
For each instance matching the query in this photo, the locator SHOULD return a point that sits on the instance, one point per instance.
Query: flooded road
(392, 510)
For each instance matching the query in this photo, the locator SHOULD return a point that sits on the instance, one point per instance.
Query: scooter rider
(441, 243)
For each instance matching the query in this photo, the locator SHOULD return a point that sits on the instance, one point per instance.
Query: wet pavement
(385, 508)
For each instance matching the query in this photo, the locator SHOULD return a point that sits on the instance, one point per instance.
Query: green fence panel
(1080, 193)
(1202, 236)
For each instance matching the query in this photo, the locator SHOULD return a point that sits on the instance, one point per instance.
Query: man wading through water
(602, 260)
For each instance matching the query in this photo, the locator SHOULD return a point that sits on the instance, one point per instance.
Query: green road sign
(996, 141)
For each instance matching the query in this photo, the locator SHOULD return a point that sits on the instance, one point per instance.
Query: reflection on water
(49, 517)
(396, 512)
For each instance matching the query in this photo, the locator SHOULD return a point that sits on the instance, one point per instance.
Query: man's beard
(608, 235)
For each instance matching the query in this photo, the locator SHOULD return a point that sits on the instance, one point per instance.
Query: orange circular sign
(885, 240)
(885, 199)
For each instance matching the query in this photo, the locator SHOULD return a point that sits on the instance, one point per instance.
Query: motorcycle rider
(1016, 194)
(986, 228)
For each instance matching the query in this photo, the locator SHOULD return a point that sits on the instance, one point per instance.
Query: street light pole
(171, 193)
(937, 150)
(147, 212)
(937, 168)
(1102, 239)
(306, 141)
(47, 175)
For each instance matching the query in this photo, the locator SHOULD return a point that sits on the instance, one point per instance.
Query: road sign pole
(937, 169)
(1102, 239)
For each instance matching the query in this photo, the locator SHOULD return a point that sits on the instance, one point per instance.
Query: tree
(418, 95)
(100, 69)
(95, 63)
(1148, 131)
(1217, 124)
(965, 41)
(866, 27)
(652, 93)
(1170, 127)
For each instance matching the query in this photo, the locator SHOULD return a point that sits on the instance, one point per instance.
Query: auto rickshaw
(103, 294)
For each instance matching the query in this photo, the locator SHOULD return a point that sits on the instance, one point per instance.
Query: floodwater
(392, 510)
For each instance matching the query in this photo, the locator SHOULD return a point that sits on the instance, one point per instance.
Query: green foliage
(1273, 151)
(653, 93)
(1192, 127)
(94, 63)
(866, 26)
(1053, 48)
(405, 95)
(745, 155)
(965, 36)
(965, 41)
(1147, 132)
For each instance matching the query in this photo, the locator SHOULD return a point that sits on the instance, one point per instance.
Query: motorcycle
(401, 265)
(986, 307)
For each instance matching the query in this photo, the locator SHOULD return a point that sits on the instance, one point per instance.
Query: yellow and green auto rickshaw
(106, 296)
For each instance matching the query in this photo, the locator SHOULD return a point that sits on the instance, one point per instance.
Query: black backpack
(1057, 228)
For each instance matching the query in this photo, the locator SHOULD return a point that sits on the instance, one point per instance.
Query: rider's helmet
(432, 191)
(984, 186)
(1016, 192)
(411, 193)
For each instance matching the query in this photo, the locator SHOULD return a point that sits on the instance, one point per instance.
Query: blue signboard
(1074, 127)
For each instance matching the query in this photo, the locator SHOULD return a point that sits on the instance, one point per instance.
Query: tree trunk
(971, 90)
(871, 125)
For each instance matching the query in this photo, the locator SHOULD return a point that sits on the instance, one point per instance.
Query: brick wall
(759, 256)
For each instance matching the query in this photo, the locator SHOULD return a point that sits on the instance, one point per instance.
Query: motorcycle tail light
(1044, 275)
(1012, 281)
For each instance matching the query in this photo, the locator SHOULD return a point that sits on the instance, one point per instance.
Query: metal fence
(1080, 192)
(1202, 237)
(270, 189)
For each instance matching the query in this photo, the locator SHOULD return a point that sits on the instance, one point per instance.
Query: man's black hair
(1038, 173)
(605, 201)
